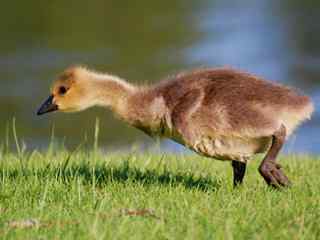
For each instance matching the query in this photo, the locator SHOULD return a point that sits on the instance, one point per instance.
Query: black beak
(47, 106)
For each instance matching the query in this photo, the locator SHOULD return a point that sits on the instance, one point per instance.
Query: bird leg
(239, 170)
(269, 168)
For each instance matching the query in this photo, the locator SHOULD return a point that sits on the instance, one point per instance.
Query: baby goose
(219, 113)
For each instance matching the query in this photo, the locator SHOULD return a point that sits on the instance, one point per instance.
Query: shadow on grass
(101, 175)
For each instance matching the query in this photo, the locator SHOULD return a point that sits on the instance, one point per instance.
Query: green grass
(90, 195)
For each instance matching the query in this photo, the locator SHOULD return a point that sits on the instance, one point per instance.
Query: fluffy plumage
(221, 113)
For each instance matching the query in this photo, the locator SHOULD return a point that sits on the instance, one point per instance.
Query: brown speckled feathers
(219, 113)
(245, 101)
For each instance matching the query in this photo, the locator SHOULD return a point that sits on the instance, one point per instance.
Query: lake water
(144, 41)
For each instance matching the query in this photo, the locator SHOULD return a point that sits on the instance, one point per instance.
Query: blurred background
(144, 41)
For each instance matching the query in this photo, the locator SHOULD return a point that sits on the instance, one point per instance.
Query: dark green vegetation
(93, 195)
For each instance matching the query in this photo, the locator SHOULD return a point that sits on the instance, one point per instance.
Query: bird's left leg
(269, 168)
(239, 170)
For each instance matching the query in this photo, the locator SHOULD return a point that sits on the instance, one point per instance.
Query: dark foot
(273, 175)
(269, 169)
(239, 170)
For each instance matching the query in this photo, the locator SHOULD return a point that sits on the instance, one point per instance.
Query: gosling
(220, 113)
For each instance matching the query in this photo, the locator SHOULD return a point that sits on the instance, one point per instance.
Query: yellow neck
(135, 105)
(112, 92)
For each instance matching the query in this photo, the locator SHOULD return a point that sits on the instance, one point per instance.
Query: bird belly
(230, 148)
(220, 147)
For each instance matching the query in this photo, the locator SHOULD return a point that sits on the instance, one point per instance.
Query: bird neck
(111, 92)
(138, 106)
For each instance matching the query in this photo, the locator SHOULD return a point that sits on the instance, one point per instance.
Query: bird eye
(62, 90)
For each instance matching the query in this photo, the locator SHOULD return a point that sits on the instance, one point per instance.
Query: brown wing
(234, 102)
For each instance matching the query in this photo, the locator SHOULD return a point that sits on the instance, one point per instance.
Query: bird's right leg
(239, 170)
(269, 168)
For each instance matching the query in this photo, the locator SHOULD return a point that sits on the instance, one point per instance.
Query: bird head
(69, 92)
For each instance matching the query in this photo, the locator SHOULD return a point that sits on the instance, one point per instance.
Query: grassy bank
(100, 196)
